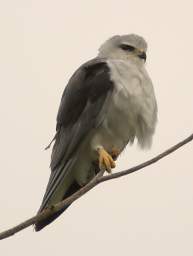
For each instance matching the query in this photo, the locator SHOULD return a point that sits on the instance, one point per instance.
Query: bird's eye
(127, 47)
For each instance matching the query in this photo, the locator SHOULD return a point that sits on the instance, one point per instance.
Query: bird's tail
(41, 224)
(60, 186)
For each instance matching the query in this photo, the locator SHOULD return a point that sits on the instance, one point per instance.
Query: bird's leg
(105, 160)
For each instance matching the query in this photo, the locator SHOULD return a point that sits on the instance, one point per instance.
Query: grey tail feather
(41, 224)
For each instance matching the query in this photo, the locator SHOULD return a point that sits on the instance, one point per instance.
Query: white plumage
(132, 111)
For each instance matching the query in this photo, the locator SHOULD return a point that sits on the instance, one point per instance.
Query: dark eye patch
(127, 47)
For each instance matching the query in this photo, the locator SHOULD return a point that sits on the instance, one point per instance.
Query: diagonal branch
(99, 178)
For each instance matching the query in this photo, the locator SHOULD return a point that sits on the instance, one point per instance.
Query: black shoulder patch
(98, 81)
(89, 82)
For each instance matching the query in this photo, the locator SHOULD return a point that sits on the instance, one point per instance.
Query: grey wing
(83, 107)
(84, 98)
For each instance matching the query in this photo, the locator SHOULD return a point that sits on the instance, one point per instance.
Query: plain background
(147, 213)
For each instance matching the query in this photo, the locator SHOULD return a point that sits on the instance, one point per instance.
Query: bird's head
(124, 47)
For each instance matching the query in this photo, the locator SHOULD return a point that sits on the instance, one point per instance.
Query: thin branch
(149, 162)
(99, 178)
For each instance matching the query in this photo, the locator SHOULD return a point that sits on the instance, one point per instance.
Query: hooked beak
(143, 56)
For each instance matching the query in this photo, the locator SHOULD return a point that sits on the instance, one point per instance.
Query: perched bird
(108, 102)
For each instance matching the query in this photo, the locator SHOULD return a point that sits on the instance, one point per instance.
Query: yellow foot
(105, 160)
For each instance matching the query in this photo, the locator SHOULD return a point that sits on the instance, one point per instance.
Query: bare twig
(99, 178)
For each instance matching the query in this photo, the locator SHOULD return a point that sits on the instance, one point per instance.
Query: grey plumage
(84, 97)
(112, 89)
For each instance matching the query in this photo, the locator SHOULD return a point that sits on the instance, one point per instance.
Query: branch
(99, 178)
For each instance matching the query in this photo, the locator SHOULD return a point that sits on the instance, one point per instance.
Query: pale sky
(146, 213)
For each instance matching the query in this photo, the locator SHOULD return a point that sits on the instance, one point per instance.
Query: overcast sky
(146, 213)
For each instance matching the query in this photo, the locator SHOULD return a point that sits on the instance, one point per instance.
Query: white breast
(132, 111)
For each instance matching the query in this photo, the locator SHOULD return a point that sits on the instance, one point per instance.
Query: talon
(114, 153)
(105, 160)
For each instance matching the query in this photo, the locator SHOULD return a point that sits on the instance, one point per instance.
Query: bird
(108, 103)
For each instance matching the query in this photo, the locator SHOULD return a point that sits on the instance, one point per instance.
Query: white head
(124, 47)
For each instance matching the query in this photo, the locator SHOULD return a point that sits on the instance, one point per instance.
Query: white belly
(132, 111)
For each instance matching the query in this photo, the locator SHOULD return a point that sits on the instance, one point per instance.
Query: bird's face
(126, 47)
(127, 51)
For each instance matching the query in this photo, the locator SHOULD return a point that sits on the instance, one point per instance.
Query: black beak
(143, 56)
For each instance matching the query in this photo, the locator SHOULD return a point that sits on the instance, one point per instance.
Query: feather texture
(82, 109)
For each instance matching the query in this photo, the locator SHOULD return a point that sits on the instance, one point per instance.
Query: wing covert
(84, 98)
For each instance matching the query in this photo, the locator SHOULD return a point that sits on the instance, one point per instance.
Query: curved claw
(105, 160)
(115, 153)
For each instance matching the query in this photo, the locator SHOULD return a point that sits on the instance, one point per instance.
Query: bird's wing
(82, 108)
(82, 101)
